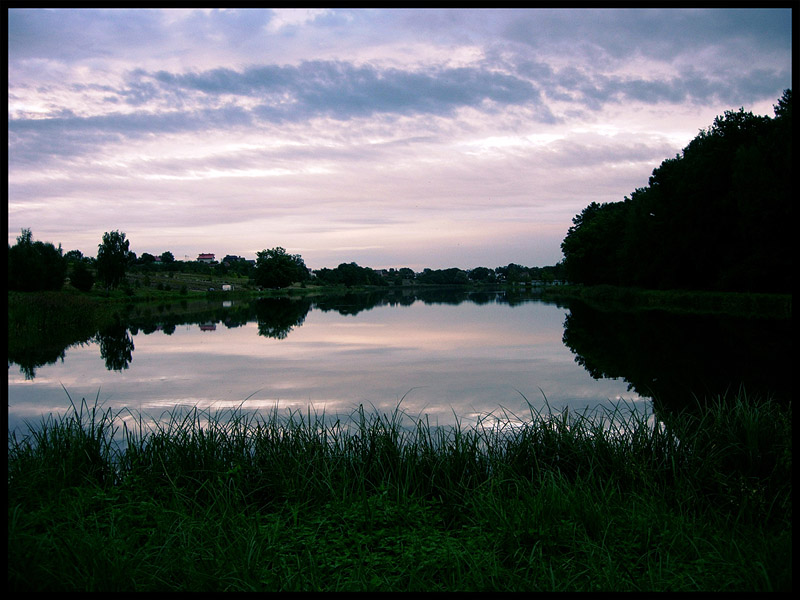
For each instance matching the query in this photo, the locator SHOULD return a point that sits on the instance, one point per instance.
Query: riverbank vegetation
(385, 502)
(738, 304)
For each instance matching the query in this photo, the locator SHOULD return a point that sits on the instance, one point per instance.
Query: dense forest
(715, 217)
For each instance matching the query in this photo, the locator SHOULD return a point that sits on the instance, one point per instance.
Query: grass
(196, 501)
(739, 304)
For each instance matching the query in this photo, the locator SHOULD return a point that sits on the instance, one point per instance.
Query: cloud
(292, 17)
(166, 102)
(342, 90)
(609, 36)
(402, 136)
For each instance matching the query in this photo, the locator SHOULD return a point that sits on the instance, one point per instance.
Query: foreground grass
(198, 502)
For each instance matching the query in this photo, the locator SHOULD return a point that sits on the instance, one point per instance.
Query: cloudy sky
(391, 138)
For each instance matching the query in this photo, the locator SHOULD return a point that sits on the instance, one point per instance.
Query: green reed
(237, 501)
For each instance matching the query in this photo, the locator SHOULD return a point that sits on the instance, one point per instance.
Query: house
(205, 258)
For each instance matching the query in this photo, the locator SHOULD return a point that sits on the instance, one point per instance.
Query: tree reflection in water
(277, 317)
(675, 358)
(116, 346)
(668, 357)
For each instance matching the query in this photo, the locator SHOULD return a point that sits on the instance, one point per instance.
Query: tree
(717, 216)
(783, 109)
(81, 277)
(74, 256)
(276, 269)
(166, 257)
(406, 273)
(350, 274)
(482, 274)
(112, 259)
(592, 245)
(452, 276)
(35, 266)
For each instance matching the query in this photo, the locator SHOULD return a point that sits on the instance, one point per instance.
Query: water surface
(454, 357)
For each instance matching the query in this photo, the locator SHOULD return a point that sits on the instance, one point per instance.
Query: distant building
(205, 258)
(230, 259)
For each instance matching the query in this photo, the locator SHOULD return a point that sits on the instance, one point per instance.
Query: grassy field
(147, 282)
(383, 502)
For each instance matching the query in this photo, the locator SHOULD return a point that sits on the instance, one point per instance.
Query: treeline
(351, 274)
(40, 266)
(716, 217)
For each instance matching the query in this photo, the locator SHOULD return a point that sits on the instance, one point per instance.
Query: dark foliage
(716, 217)
(349, 274)
(81, 278)
(116, 346)
(452, 276)
(277, 317)
(35, 266)
(112, 259)
(277, 269)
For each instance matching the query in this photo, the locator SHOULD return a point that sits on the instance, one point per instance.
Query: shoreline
(735, 304)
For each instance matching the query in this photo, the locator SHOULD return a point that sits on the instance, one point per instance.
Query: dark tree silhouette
(717, 216)
(81, 278)
(35, 266)
(112, 259)
(277, 269)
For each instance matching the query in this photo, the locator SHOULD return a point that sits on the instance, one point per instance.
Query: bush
(35, 266)
(81, 279)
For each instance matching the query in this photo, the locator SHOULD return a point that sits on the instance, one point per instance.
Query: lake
(454, 356)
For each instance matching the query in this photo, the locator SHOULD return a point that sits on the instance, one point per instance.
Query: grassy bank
(383, 502)
(607, 297)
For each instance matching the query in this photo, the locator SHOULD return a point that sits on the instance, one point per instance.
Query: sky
(419, 138)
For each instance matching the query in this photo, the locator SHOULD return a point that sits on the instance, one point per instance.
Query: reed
(238, 501)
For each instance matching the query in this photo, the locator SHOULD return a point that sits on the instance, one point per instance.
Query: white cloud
(292, 17)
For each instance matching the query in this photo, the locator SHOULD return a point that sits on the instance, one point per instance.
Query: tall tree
(276, 269)
(112, 259)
